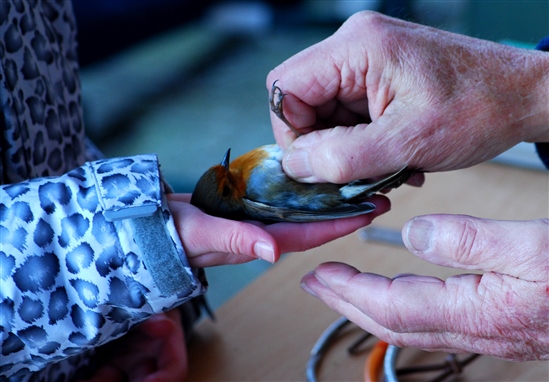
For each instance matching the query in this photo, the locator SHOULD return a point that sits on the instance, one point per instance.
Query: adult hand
(381, 93)
(502, 312)
(153, 351)
(210, 240)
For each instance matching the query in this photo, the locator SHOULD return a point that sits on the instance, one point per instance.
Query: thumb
(210, 241)
(515, 248)
(342, 154)
(240, 241)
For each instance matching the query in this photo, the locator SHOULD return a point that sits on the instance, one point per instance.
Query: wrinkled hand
(381, 93)
(153, 351)
(503, 312)
(210, 240)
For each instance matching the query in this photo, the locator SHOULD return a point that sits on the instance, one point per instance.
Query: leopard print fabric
(43, 133)
(72, 274)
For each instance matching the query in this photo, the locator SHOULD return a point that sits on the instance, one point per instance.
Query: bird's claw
(276, 104)
(275, 100)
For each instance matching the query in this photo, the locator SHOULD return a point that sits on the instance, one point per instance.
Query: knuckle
(466, 242)
(367, 18)
(339, 164)
(395, 323)
(448, 341)
(341, 171)
(237, 242)
(394, 320)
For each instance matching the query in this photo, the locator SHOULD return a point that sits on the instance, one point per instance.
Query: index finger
(516, 248)
(299, 114)
(308, 79)
(413, 304)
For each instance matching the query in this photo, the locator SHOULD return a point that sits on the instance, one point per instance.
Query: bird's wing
(263, 212)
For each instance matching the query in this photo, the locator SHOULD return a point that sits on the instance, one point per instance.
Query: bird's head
(218, 192)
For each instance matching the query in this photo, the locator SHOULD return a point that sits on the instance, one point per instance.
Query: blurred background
(186, 79)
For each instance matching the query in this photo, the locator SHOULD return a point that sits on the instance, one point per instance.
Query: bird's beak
(226, 159)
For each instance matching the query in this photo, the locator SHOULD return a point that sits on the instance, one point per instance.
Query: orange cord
(374, 362)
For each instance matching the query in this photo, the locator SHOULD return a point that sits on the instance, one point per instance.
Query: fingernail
(296, 164)
(310, 277)
(264, 251)
(306, 288)
(416, 180)
(419, 234)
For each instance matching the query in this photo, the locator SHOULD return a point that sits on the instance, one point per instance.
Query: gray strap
(160, 255)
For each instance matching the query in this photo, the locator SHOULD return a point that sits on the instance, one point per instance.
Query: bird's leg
(275, 100)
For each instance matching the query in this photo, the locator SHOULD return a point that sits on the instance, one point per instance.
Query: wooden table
(265, 333)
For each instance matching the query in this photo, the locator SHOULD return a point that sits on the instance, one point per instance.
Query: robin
(255, 187)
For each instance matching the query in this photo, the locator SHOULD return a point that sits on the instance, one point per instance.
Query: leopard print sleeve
(84, 257)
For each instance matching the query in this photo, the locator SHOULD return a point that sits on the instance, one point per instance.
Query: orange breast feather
(240, 170)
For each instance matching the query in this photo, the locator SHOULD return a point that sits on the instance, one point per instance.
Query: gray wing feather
(264, 212)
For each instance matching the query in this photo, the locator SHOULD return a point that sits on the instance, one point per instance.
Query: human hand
(153, 351)
(381, 93)
(210, 240)
(503, 312)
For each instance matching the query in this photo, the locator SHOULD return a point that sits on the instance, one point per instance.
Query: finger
(313, 87)
(514, 345)
(297, 237)
(184, 198)
(305, 89)
(159, 325)
(236, 241)
(476, 305)
(307, 117)
(299, 114)
(210, 241)
(178, 203)
(494, 308)
(450, 342)
(416, 180)
(385, 301)
(516, 248)
(172, 359)
(421, 340)
(341, 154)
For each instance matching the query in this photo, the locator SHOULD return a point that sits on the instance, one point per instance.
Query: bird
(254, 186)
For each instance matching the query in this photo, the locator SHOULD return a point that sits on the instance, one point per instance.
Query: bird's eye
(226, 191)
